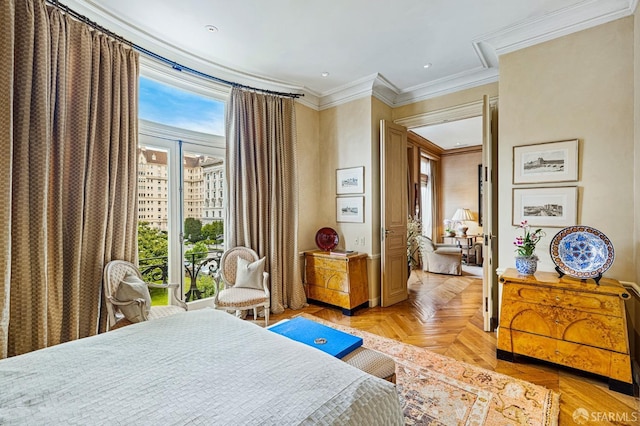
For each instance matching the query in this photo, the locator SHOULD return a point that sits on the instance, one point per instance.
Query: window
(187, 111)
(426, 195)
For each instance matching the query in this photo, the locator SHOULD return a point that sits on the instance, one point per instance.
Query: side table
(465, 242)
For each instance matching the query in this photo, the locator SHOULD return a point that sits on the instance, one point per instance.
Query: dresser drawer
(336, 298)
(335, 264)
(589, 302)
(600, 331)
(581, 357)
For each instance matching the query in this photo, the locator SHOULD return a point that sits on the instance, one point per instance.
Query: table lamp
(460, 216)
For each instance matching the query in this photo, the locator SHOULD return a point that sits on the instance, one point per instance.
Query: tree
(199, 252)
(213, 231)
(152, 242)
(193, 229)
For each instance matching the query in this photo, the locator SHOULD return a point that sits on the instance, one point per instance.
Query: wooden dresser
(337, 280)
(566, 321)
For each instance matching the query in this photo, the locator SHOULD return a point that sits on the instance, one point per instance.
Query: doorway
(461, 143)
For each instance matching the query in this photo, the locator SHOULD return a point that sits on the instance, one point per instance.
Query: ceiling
(453, 134)
(374, 47)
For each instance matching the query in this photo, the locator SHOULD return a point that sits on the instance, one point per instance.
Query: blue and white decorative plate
(581, 252)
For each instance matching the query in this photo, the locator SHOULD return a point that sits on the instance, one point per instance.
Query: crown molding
(488, 48)
(92, 9)
(444, 86)
(571, 19)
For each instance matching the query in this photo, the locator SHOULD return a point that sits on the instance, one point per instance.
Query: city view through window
(201, 183)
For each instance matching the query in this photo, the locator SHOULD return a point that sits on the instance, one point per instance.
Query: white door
(393, 212)
(490, 215)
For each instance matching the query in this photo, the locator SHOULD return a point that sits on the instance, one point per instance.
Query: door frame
(455, 113)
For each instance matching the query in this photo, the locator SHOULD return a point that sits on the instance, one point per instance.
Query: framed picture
(350, 209)
(350, 181)
(552, 207)
(546, 162)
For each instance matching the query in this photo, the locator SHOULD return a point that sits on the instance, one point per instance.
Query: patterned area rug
(438, 390)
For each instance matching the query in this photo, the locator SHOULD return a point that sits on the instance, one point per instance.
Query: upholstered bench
(372, 362)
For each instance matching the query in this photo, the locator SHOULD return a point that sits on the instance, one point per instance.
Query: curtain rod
(176, 66)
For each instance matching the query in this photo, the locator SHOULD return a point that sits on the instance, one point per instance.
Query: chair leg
(255, 314)
(266, 317)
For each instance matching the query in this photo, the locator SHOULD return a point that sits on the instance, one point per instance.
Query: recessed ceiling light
(427, 65)
(325, 74)
(211, 28)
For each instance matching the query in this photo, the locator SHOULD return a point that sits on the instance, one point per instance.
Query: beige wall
(459, 186)
(578, 86)
(336, 138)
(345, 141)
(308, 156)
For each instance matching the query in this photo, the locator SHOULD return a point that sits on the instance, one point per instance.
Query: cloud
(175, 107)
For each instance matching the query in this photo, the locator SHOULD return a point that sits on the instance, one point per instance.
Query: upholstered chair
(242, 284)
(127, 296)
(440, 258)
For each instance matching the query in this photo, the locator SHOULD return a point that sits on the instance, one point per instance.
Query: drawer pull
(557, 322)
(557, 352)
(557, 298)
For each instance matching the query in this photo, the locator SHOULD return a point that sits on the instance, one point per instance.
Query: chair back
(114, 272)
(229, 262)
(425, 244)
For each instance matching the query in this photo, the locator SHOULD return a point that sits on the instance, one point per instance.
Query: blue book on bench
(327, 339)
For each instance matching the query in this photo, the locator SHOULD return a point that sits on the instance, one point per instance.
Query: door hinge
(486, 304)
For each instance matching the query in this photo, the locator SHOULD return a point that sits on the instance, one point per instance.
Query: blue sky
(164, 104)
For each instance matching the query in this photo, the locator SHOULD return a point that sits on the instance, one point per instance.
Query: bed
(198, 367)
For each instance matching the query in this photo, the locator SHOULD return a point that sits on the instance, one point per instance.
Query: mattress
(199, 367)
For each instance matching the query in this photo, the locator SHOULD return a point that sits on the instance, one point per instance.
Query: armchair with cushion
(245, 284)
(127, 296)
(440, 258)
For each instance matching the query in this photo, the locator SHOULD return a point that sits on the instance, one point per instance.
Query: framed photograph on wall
(546, 162)
(552, 207)
(350, 181)
(350, 209)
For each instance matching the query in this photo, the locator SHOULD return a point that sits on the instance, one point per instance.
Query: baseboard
(374, 302)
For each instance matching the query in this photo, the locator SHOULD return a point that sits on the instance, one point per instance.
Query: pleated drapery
(261, 182)
(68, 129)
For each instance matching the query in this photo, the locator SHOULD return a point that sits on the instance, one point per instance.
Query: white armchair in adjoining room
(440, 258)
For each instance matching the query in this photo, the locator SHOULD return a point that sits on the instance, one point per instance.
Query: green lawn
(160, 296)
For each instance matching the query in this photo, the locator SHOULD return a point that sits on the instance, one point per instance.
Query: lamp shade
(462, 215)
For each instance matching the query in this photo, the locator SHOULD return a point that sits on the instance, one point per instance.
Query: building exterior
(213, 171)
(203, 179)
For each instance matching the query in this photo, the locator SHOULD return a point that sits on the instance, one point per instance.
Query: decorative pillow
(130, 288)
(249, 275)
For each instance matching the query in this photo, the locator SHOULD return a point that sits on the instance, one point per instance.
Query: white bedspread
(200, 367)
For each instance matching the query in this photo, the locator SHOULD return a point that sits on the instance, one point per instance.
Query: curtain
(429, 196)
(261, 180)
(68, 173)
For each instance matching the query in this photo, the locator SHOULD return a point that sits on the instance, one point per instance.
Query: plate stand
(562, 274)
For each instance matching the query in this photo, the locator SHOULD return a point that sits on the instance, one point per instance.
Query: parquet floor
(443, 313)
